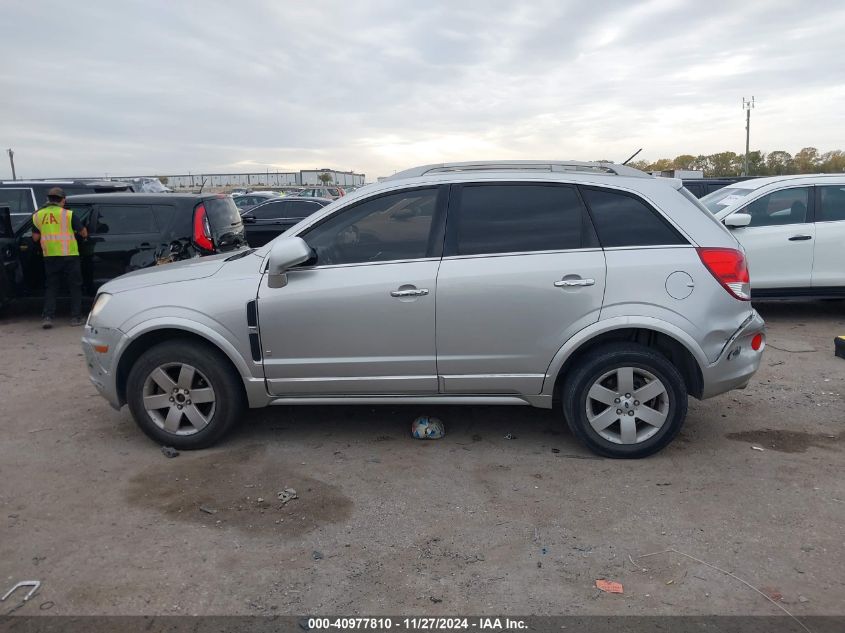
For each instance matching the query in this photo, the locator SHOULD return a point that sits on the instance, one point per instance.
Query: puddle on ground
(786, 441)
(224, 486)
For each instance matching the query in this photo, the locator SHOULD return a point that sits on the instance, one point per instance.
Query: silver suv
(594, 287)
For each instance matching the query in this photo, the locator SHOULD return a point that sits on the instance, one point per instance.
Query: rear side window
(519, 218)
(625, 220)
(269, 211)
(222, 212)
(124, 220)
(832, 207)
(300, 209)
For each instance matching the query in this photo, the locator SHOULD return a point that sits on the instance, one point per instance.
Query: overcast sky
(153, 87)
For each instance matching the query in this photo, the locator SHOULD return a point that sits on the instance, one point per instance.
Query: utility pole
(747, 106)
(11, 154)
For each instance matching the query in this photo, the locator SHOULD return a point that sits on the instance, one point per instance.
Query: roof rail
(609, 169)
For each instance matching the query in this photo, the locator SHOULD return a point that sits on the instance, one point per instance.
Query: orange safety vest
(56, 228)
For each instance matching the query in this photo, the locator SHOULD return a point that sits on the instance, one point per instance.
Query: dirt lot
(473, 523)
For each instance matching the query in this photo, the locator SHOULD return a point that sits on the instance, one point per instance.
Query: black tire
(604, 359)
(214, 370)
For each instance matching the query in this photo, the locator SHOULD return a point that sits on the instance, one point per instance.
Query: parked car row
(595, 286)
(127, 232)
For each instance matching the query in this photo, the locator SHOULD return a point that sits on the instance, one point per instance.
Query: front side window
(20, 204)
(124, 220)
(519, 218)
(787, 206)
(391, 227)
(832, 207)
(626, 220)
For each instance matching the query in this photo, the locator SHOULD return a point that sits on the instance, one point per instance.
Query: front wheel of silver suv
(624, 400)
(184, 394)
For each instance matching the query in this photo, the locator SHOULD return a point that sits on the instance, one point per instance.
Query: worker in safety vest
(55, 227)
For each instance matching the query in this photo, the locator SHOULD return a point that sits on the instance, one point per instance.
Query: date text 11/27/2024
(417, 624)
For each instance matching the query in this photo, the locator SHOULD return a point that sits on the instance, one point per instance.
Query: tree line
(777, 163)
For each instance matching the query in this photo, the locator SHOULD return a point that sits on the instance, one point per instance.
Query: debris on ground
(802, 599)
(317, 555)
(775, 595)
(208, 510)
(435, 600)
(609, 586)
(757, 448)
(839, 346)
(729, 574)
(35, 584)
(555, 450)
(510, 436)
(169, 451)
(427, 428)
(287, 494)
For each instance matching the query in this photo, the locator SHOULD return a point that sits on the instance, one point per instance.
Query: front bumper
(737, 362)
(100, 346)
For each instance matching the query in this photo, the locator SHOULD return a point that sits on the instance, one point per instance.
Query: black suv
(128, 231)
(271, 218)
(8, 261)
(23, 197)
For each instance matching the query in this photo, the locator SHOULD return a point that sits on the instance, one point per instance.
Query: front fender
(618, 323)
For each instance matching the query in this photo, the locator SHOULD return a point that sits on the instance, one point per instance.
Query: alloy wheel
(179, 398)
(627, 405)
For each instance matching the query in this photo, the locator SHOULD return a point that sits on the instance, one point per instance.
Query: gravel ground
(383, 524)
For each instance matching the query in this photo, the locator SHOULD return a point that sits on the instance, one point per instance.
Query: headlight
(99, 303)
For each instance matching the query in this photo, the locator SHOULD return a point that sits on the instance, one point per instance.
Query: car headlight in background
(99, 303)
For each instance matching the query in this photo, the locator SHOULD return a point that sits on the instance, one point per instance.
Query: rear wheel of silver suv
(183, 394)
(624, 400)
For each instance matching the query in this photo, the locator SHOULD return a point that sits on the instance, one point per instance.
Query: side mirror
(248, 219)
(284, 255)
(737, 220)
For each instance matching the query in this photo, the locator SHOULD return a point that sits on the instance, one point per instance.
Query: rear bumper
(737, 362)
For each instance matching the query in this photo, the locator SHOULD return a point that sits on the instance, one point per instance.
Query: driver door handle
(800, 238)
(569, 283)
(415, 292)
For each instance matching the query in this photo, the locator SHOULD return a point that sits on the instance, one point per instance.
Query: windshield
(721, 198)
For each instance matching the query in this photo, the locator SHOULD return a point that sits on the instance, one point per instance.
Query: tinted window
(396, 226)
(269, 211)
(832, 207)
(20, 204)
(519, 218)
(301, 208)
(124, 220)
(624, 220)
(222, 212)
(163, 214)
(787, 206)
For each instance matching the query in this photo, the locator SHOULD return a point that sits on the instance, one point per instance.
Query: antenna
(747, 106)
(632, 156)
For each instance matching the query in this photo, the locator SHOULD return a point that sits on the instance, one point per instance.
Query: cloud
(376, 86)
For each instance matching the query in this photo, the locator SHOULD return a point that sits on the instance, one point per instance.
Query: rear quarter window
(622, 219)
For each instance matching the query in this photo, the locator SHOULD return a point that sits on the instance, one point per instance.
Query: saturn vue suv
(594, 289)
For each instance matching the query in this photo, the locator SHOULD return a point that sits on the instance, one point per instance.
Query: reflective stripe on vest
(56, 227)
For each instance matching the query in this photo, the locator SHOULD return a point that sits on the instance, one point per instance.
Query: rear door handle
(569, 283)
(800, 238)
(415, 292)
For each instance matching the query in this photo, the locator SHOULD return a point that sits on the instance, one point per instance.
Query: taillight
(757, 342)
(729, 268)
(202, 230)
